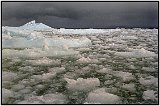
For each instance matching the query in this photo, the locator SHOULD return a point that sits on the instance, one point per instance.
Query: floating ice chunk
(101, 96)
(40, 87)
(105, 70)
(21, 42)
(80, 31)
(53, 98)
(6, 37)
(114, 46)
(84, 49)
(8, 76)
(84, 60)
(130, 87)
(137, 53)
(82, 84)
(97, 42)
(92, 103)
(70, 75)
(43, 62)
(128, 37)
(27, 69)
(87, 60)
(25, 91)
(112, 90)
(108, 82)
(36, 52)
(57, 70)
(116, 39)
(148, 69)
(29, 102)
(72, 42)
(132, 67)
(6, 94)
(56, 98)
(103, 56)
(148, 81)
(44, 76)
(149, 94)
(125, 76)
(94, 38)
(17, 87)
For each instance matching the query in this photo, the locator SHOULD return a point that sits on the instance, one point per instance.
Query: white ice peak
(31, 22)
(32, 25)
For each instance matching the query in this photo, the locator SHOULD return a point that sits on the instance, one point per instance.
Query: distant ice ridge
(34, 26)
(80, 31)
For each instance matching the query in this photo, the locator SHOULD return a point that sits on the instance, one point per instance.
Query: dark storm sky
(82, 14)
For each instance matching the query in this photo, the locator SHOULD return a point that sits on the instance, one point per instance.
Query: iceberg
(27, 36)
(35, 26)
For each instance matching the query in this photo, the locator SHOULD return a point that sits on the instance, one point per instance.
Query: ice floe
(37, 52)
(43, 65)
(6, 94)
(137, 53)
(44, 76)
(149, 95)
(148, 81)
(125, 76)
(102, 97)
(80, 31)
(57, 70)
(105, 70)
(22, 42)
(56, 98)
(84, 60)
(18, 87)
(43, 62)
(148, 69)
(8, 76)
(82, 84)
(130, 87)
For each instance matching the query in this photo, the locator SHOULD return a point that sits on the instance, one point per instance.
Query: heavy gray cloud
(82, 14)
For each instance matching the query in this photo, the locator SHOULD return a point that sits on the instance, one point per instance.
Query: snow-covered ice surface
(43, 65)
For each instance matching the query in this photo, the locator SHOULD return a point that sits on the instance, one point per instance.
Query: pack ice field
(44, 65)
